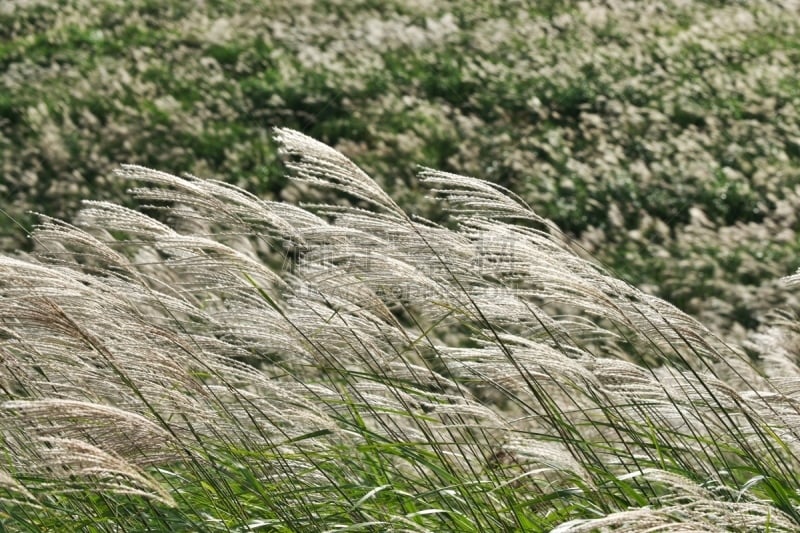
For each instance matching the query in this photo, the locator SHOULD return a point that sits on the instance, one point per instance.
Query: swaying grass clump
(217, 362)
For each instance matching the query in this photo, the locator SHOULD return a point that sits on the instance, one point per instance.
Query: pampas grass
(216, 362)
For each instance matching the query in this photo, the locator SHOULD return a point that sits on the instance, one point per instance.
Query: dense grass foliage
(236, 364)
(665, 136)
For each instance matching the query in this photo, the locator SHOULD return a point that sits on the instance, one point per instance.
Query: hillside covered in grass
(663, 136)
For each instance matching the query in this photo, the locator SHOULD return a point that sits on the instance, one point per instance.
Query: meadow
(595, 332)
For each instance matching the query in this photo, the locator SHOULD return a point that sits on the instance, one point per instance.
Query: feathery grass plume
(12, 486)
(215, 362)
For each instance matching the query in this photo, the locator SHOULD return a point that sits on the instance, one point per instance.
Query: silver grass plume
(223, 335)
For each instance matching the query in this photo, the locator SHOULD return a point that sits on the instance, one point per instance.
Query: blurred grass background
(663, 136)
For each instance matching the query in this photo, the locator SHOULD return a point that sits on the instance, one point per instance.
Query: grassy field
(600, 335)
(254, 365)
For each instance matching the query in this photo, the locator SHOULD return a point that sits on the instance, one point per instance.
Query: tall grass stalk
(215, 362)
